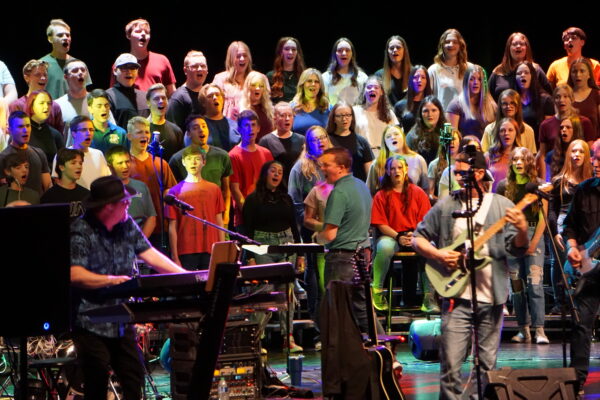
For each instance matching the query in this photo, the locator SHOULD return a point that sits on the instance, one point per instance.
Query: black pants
(588, 304)
(97, 355)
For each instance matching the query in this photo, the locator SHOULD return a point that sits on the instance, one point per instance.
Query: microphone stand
(156, 149)
(565, 283)
(239, 237)
(470, 185)
(446, 138)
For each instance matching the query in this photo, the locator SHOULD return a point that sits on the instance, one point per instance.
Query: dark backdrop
(98, 31)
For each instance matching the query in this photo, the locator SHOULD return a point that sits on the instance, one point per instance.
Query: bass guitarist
(582, 226)
(439, 227)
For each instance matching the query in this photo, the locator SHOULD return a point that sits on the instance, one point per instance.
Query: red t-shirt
(206, 198)
(388, 208)
(155, 68)
(246, 167)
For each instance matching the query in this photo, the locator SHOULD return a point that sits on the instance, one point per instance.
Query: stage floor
(421, 379)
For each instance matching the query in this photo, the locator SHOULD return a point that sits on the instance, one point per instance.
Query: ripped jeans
(527, 281)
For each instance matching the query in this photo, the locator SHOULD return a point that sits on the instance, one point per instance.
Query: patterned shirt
(108, 253)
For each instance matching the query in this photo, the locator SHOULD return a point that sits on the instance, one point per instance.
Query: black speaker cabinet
(35, 273)
(526, 384)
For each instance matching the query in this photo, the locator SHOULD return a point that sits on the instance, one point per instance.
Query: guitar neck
(361, 265)
(498, 225)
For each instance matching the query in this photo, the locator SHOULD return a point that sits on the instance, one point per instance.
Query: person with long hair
(255, 97)
(586, 93)
(397, 209)
(393, 143)
(436, 168)
(43, 136)
(516, 50)
(424, 137)
(550, 128)
(342, 133)
(269, 218)
(570, 129)
(474, 107)
(418, 89)
(287, 68)
(309, 192)
(510, 106)
(449, 67)
(527, 273)
(396, 68)
(498, 156)
(344, 79)
(305, 173)
(537, 104)
(311, 104)
(373, 113)
(238, 64)
(576, 169)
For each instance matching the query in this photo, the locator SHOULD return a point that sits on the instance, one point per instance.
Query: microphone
(175, 202)
(154, 147)
(532, 187)
(446, 133)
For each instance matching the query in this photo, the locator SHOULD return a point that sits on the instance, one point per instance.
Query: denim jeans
(386, 247)
(455, 342)
(285, 317)
(529, 302)
(588, 302)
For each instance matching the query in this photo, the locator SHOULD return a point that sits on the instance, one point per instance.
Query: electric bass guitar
(589, 252)
(383, 359)
(451, 282)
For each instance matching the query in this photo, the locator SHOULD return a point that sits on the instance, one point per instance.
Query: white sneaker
(541, 338)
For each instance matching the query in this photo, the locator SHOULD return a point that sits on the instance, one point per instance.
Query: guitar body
(451, 283)
(382, 358)
(383, 361)
(588, 251)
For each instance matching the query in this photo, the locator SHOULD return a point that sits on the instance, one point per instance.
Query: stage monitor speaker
(423, 339)
(526, 384)
(35, 273)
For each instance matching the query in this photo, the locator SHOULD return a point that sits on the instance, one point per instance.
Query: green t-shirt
(349, 208)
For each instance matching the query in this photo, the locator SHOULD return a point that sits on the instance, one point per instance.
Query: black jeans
(97, 355)
(339, 267)
(588, 301)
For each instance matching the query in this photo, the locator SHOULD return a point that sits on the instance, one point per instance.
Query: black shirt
(360, 149)
(46, 138)
(286, 151)
(126, 103)
(75, 197)
(583, 217)
(183, 103)
(171, 138)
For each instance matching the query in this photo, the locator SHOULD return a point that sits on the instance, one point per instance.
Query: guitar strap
(481, 215)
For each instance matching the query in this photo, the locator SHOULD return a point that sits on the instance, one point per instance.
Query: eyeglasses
(319, 139)
(342, 116)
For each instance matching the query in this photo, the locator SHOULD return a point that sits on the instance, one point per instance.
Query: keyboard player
(104, 245)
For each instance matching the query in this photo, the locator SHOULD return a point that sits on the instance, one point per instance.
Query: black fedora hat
(106, 190)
